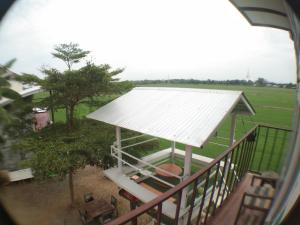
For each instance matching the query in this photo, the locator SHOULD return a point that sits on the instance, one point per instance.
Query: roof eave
(244, 9)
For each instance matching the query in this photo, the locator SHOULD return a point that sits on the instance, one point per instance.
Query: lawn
(273, 106)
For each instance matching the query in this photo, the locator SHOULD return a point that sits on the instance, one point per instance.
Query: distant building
(24, 90)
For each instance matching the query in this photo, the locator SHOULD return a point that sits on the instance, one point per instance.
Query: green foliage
(55, 150)
(72, 87)
(61, 149)
(21, 122)
(261, 82)
(69, 53)
(5, 117)
(6, 66)
(5, 91)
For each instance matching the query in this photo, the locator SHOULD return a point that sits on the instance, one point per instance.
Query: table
(170, 167)
(98, 208)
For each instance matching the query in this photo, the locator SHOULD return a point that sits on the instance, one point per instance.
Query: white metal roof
(188, 116)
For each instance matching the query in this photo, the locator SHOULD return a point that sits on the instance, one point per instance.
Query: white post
(186, 172)
(118, 141)
(232, 128)
(173, 151)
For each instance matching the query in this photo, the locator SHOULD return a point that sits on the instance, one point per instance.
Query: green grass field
(274, 106)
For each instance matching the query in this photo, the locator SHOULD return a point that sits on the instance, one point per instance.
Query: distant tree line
(261, 82)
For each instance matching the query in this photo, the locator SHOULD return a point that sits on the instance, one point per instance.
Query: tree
(73, 87)
(5, 91)
(261, 82)
(21, 122)
(69, 53)
(57, 153)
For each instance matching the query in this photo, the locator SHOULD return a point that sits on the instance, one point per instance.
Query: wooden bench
(256, 202)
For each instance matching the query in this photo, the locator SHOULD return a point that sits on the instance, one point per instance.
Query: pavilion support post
(119, 146)
(232, 128)
(173, 151)
(186, 172)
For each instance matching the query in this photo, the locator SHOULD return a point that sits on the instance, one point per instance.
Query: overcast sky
(151, 39)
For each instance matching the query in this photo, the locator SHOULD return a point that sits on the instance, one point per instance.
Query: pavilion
(179, 115)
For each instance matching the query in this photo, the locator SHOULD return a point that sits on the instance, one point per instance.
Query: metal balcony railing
(255, 151)
(270, 148)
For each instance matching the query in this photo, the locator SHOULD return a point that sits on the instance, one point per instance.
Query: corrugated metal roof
(188, 116)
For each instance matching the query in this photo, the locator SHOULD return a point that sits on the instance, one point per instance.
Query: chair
(110, 216)
(88, 197)
(114, 202)
(256, 201)
(106, 218)
(85, 220)
(82, 217)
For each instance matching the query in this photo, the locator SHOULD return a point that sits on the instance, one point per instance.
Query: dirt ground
(48, 203)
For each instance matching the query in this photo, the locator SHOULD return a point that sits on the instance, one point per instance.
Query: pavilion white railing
(142, 165)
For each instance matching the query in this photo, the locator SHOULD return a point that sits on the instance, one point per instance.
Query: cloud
(151, 39)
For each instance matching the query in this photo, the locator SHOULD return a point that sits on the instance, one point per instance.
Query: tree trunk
(51, 108)
(71, 186)
(67, 115)
(71, 117)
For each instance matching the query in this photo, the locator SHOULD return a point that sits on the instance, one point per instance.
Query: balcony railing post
(244, 158)
(239, 165)
(272, 149)
(212, 192)
(221, 183)
(252, 150)
(234, 176)
(281, 148)
(195, 189)
(264, 148)
(257, 132)
(158, 214)
(134, 221)
(179, 200)
(203, 196)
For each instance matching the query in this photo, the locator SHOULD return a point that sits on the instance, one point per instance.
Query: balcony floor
(227, 213)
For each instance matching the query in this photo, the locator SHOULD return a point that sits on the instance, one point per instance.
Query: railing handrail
(151, 204)
(146, 163)
(274, 127)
